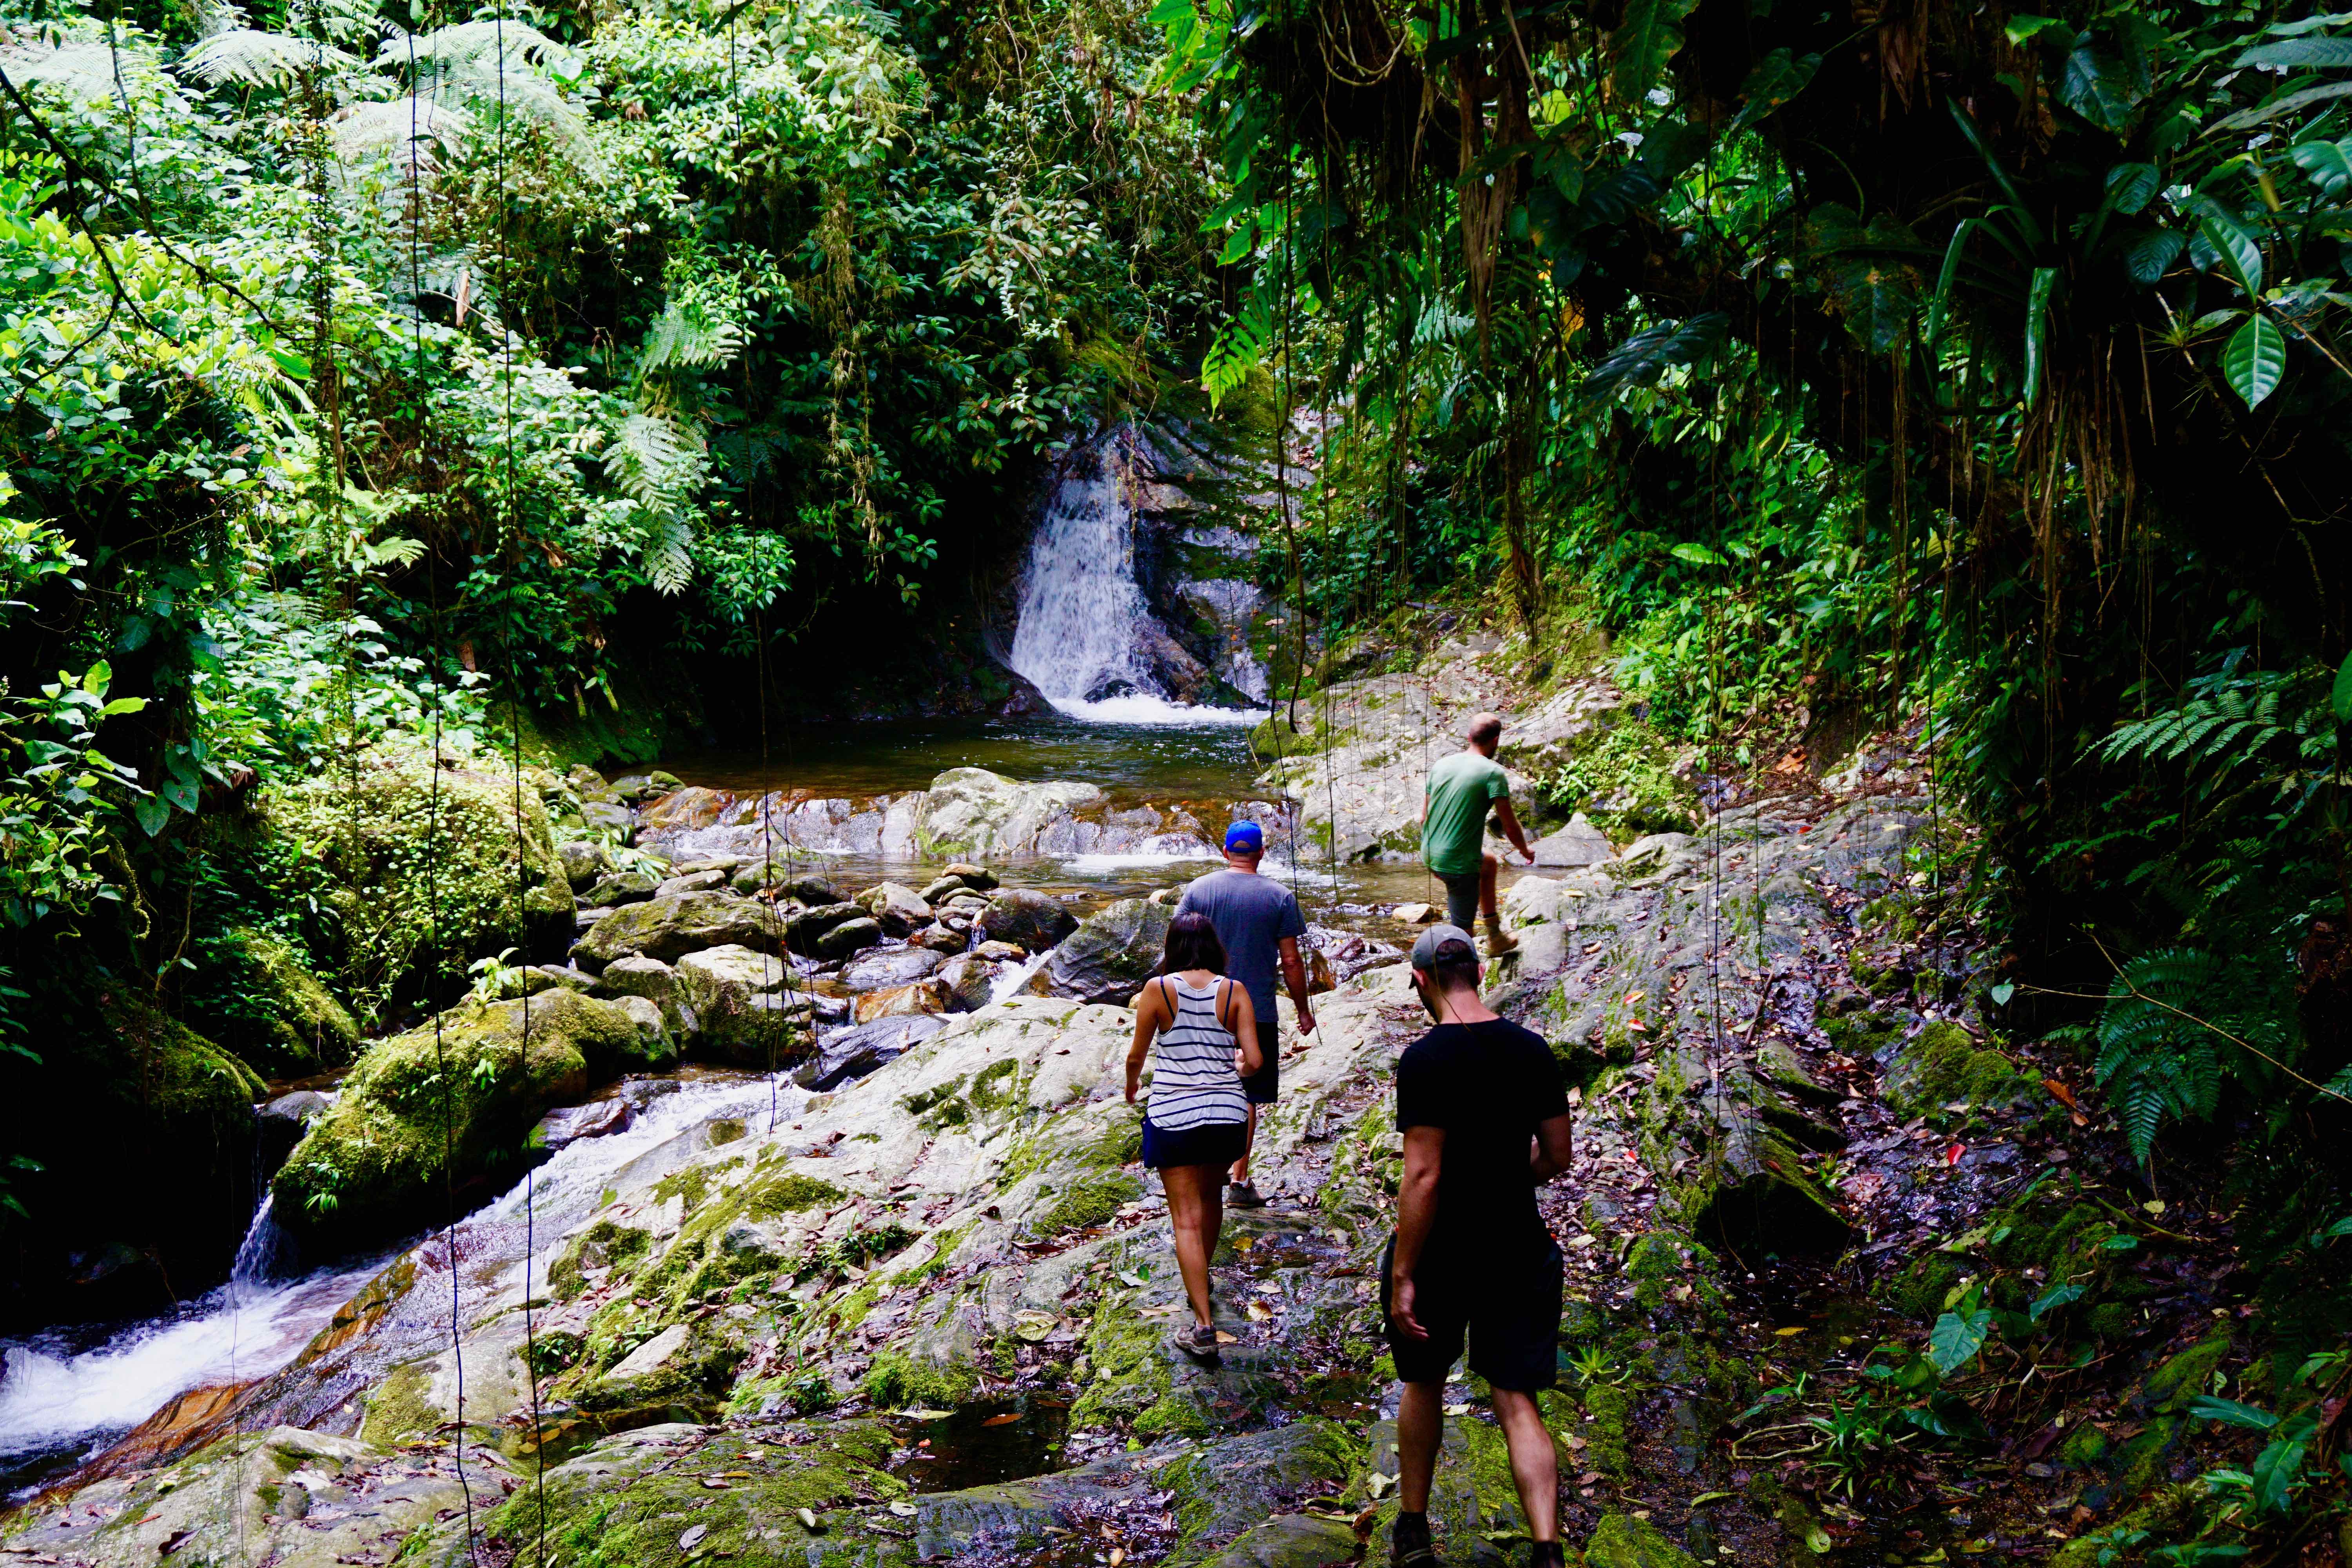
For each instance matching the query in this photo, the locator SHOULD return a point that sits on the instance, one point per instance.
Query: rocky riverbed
(908, 1299)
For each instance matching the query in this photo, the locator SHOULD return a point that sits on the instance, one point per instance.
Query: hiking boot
(1198, 1340)
(1547, 1554)
(1499, 942)
(1408, 1542)
(1241, 1195)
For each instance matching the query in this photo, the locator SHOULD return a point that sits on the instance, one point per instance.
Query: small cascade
(1086, 636)
(267, 1252)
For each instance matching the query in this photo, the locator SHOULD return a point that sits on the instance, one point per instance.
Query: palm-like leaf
(86, 70)
(406, 130)
(264, 59)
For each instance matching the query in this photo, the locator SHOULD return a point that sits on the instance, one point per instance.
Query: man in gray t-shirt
(1259, 923)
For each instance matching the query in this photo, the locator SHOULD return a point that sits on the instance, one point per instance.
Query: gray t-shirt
(1251, 914)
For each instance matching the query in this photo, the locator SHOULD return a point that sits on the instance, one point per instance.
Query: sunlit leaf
(1955, 1340)
(2300, 54)
(2254, 360)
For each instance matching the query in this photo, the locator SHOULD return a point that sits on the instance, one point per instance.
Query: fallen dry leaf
(1259, 1312)
(2059, 1092)
(1226, 1338)
(1004, 1420)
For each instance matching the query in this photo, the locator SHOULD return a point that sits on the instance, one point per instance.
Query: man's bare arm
(1510, 821)
(1554, 1142)
(1294, 980)
(1424, 1148)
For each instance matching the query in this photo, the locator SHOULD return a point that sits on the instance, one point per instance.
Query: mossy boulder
(448, 1103)
(1620, 1541)
(1943, 1064)
(669, 928)
(425, 859)
(281, 1019)
(1112, 953)
(1754, 1194)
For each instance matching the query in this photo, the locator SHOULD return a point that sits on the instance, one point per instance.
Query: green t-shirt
(1460, 790)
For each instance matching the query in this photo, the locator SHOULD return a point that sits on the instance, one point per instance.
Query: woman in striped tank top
(1197, 1122)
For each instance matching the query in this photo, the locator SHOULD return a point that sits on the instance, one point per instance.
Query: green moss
(417, 854)
(1860, 1034)
(281, 1019)
(790, 1193)
(1620, 776)
(1606, 1411)
(1943, 1063)
(1089, 1200)
(2084, 1446)
(1620, 1541)
(396, 1407)
(897, 1380)
(605, 1245)
(2170, 1387)
(1131, 1380)
(447, 1101)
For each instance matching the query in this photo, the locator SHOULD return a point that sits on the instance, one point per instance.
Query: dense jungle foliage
(1900, 363)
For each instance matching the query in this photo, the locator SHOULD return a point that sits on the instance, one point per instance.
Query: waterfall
(265, 1250)
(1085, 626)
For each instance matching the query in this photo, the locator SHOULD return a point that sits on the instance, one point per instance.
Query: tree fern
(85, 69)
(2177, 1025)
(501, 65)
(264, 59)
(407, 130)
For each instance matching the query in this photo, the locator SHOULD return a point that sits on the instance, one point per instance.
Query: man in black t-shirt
(1484, 1119)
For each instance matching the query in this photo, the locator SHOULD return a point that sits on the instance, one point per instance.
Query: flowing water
(68, 1393)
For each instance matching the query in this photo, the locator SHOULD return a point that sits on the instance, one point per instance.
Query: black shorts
(1509, 1307)
(1261, 1086)
(1218, 1143)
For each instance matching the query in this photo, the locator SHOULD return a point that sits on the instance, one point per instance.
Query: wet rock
(1025, 919)
(1416, 914)
(979, 878)
(1111, 952)
(463, 1088)
(806, 928)
(541, 977)
(813, 891)
(563, 1127)
(941, 938)
(899, 908)
(286, 1022)
(855, 1052)
(281, 1123)
(682, 811)
(584, 860)
(1289, 1541)
(729, 993)
(981, 813)
(1757, 1197)
(941, 887)
(654, 1041)
(689, 882)
(1620, 1541)
(616, 888)
(766, 1031)
(1578, 843)
(879, 970)
(637, 788)
(850, 936)
(635, 974)
(668, 929)
(1001, 951)
(921, 997)
(970, 982)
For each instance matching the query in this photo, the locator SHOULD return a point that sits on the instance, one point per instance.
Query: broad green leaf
(2002, 993)
(1955, 1340)
(1941, 304)
(2020, 28)
(2247, 119)
(2050, 1301)
(181, 792)
(1643, 44)
(2098, 87)
(1168, 11)
(150, 813)
(2130, 186)
(2232, 247)
(1641, 358)
(1696, 554)
(2037, 329)
(2300, 54)
(2278, 1469)
(2343, 716)
(2254, 360)
(1947, 1415)
(295, 366)
(2207, 1408)
(1778, 77)
(98, 678)
(122, 705)
(2152, 255)
(2329, 164)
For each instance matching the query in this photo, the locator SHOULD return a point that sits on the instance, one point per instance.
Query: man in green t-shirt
(1454, 828)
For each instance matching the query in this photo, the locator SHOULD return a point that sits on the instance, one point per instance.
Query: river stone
(922, 997)
(803, 929)
(940, 937)
(683, 811)
(619, 887)
(637, 975)
(972, 876)
(970, 982)
(608, 817)
(940, 887)
(716, 986)
(672, 928)
(652, 1027)
(584, 860)
(541, 977)
(1001, 951)
(855, 1052)
(560, 1129)
(899, 908)
(1113, 952)
(880, 970)
(1578, 843)
(691, 882)
(813, 891)
(1027, 918)
(848, 937)
(761, 1031)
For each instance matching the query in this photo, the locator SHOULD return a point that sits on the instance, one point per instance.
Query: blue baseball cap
(1245, 836)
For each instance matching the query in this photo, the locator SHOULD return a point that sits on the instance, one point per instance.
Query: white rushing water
(1082, 612)
(58, 1393)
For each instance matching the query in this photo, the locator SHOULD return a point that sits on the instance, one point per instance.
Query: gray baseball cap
(1425, 946)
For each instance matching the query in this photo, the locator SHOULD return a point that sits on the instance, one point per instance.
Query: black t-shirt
(1487, 1085)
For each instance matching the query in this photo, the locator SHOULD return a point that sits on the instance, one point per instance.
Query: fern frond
(685, 339)
(83, 70)
(407, 130)
(263, 59)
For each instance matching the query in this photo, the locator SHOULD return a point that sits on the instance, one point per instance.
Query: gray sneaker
(1198, 1340)
(1241, 1195)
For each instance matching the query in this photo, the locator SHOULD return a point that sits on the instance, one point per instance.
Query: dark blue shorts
(1218, 1143)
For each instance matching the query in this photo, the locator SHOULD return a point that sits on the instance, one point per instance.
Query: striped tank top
(1194, 1081)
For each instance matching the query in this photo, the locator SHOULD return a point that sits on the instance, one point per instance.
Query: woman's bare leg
(1190, 1190)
